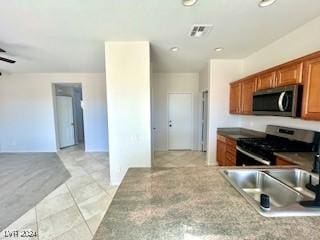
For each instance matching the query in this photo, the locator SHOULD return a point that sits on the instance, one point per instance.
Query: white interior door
(65, 121)
(180, 121)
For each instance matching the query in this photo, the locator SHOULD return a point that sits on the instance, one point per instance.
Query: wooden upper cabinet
(266, 80)
(235, 98)
(304, 71)
(288, 75)
(248, 87)
(311, 94)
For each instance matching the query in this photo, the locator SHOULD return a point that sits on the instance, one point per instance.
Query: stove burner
(275, 145)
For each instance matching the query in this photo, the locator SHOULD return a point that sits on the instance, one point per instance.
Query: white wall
(222, 72)
(204, 78)
(129, 117)
(27, 117)
(298, 43)
(164, 83)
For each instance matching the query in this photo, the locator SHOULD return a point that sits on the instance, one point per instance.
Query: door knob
(170, 125)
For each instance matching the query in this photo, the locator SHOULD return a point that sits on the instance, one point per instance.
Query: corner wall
(222, 72)
(129, 106)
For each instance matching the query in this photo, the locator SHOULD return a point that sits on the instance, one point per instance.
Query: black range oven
(245, 158)
(260, 151)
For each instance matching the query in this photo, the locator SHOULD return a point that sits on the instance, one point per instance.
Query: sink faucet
(316, 167)
(314, 188)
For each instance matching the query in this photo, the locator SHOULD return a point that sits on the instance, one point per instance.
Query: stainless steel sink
(285, 188)
(295, 178)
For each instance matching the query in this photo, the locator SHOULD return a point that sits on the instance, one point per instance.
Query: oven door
(245, 158)
(279, 101)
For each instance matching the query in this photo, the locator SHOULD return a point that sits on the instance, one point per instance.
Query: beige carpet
(25, 179)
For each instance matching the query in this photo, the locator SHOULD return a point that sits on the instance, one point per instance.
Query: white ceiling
(68, 36)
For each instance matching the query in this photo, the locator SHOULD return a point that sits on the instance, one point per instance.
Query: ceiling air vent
(200, 30)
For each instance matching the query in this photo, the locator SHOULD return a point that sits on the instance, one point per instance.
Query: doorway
(68, 115)
(204, 122)
(180, 121)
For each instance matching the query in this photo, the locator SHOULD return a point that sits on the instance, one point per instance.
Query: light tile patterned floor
(179, 159)
(75, 209)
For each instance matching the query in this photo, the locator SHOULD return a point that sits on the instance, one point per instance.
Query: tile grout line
(70, 192)
(79, 210)
(93, 179)
(38, 234)
(89, 174)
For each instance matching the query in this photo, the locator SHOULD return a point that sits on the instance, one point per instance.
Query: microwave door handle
(280, 102)
(258, 159)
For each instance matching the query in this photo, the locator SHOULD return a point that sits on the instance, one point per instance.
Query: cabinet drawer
(231, 142)
(222, 138)
(232, 151)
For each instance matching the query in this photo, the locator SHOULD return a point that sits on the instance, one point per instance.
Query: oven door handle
(258, 159)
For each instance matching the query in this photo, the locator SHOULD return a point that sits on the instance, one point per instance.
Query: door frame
(192, 118)
(55, 117)
(202, 119)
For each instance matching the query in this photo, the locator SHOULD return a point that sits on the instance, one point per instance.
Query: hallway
(170, 159)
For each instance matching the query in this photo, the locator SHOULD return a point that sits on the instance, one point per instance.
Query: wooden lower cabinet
(226, 151)
(221, 152)
(282, 162)
(311, 94)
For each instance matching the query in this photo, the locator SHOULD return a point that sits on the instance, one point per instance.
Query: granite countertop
(302, 159)
(191, 204)
(237, 133)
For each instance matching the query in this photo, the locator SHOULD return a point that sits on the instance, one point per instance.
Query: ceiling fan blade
(7, 60)
(1, 50)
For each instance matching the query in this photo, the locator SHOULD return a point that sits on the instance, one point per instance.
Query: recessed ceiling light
(266, 3)
(218, 49)
(189, 3)
(174, 49)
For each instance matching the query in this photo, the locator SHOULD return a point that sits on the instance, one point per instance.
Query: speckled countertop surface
(191, 204)
(236, 133)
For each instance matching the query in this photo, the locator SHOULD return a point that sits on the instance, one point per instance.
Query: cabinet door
(311, 96)
(289, 75)
(266, 81)
(248, 88)
(235, 98)
(221, 152)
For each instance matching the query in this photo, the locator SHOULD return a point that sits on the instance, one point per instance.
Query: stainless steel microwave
(282, 101)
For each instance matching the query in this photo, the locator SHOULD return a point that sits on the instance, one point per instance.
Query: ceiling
(68, 36)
